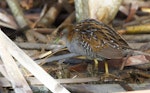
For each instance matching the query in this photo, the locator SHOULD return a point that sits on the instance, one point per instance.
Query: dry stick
(33, 81)
(23, 22)
(39, 46)
(141, 20)
(16, 78)
(139, 38)
(44, 30)
(8, 20)
(3, 70)
(67, 21)
(29, 36)
(47, 20)
(43, 12)
(56, 58)
(137, 91)
(137, 45)
(39, 36)
(146, 46)
(7, 25)
(137, 2)
(34, 16)
(4, 82)
(20, 18)
(124, 10)
(76, 89)
(139, 29)
(107, 11)
(98, 9)
(132, 12)
(51, 15)
(82, 9)
(30, 65)
(67, 6)
(17, 12)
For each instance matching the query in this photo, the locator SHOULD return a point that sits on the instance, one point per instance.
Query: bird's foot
(107, 77)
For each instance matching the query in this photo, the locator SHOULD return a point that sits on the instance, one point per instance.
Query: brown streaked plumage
(94, 39)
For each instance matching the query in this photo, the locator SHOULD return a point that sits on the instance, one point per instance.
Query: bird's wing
(100, 40)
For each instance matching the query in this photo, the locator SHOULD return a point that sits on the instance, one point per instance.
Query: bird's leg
(107, 74)
(106, 68)
(96, 65)
(105, 64)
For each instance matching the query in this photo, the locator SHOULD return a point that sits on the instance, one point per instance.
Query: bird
(95, 40)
